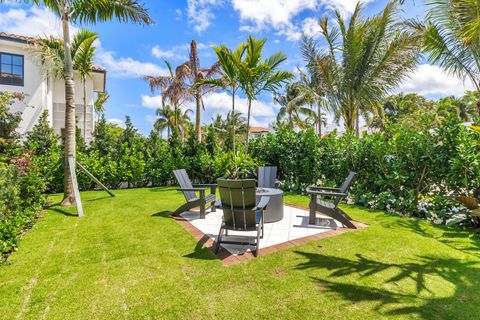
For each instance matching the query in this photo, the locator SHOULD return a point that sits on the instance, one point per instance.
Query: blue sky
(129, 51)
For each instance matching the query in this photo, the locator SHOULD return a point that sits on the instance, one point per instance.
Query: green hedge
(401, 170)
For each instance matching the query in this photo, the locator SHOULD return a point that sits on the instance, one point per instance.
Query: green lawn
(122, 261)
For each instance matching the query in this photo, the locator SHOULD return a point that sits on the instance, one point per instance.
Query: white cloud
(263, 113)
(150, 119)
(164, 54)
(311, 27)
(200, 13)
(118, 122)
(432, 81)
(127, 67)
(256, 15)
(33, 22)
(179, 52)
(152, 102)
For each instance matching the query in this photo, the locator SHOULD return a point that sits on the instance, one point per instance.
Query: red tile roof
(26, 39)
(259, 130)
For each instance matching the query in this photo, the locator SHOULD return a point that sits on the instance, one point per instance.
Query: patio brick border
(229, 259)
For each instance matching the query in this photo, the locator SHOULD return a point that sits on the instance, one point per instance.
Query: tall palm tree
(256, 75)
(363, 61)
(99, 104)
(198, 90)
(452, 38)
(84, 11)
(292, 104)
(228, 61)
(83, 52)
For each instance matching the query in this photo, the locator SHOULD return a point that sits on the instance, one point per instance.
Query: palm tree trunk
(198, 128)
(248, 125)
(69, 138)
(233, 123)
(357, 125)
(319, 124)
(85, 109)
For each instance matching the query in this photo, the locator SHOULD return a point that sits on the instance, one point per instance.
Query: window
(11, 69)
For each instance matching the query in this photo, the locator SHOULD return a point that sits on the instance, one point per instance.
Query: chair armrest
(262, 203)
(191, 189)
(325, 193)
(212, 186)
(315, 188)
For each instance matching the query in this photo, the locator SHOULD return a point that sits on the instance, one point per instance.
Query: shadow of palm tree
(462, 275)
(458, 238)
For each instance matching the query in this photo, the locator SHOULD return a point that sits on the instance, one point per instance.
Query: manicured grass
(127, 259)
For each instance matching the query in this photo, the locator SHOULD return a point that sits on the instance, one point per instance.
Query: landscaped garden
(378, 220)
(130, 259)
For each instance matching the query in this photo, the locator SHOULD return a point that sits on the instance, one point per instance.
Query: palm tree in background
(167, 119)
(256, 75)
(314, 94)
(83, 52)
(292, 105)
(174, 89)
(228, 61)
(84, 12)
(452, 38)
(363, 61)
(99, 104)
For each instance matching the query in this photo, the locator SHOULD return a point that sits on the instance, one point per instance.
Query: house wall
(48, 94)
(35, 87)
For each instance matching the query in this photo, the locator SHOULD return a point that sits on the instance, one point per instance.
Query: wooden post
(91, 176)
(76, 191)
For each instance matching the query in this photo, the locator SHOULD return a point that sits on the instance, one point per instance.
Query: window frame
(7, 83)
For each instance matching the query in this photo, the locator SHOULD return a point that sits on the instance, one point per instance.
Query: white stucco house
(20, 72)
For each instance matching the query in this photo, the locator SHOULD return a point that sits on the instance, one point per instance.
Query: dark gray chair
(267, 177)
(330, 208)
(241, 212)
(189, 191)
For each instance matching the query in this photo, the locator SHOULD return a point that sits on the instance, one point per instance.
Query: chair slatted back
(184, 182)
(267, 177)
(348, 182)
(238, 200)
(345, 186)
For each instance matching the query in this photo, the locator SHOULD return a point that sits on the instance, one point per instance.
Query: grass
(128, 259)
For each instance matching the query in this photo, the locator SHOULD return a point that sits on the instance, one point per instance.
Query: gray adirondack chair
(189, 191)
(241, 212)
(267, 177)
(330, 208)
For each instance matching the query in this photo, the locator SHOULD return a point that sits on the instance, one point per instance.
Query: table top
(268, 192)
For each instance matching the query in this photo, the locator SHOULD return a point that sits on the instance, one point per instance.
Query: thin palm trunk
(248, 125)
(198, 128)
(68, 193)
(357, 124)
(233, 124)
(85, 109)
(319, 124)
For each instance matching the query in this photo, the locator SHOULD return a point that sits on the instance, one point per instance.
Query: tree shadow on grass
(462, 239)
(57, 208)
(423, 270)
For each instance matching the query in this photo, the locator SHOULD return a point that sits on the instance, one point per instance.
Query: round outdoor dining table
(274, 210)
